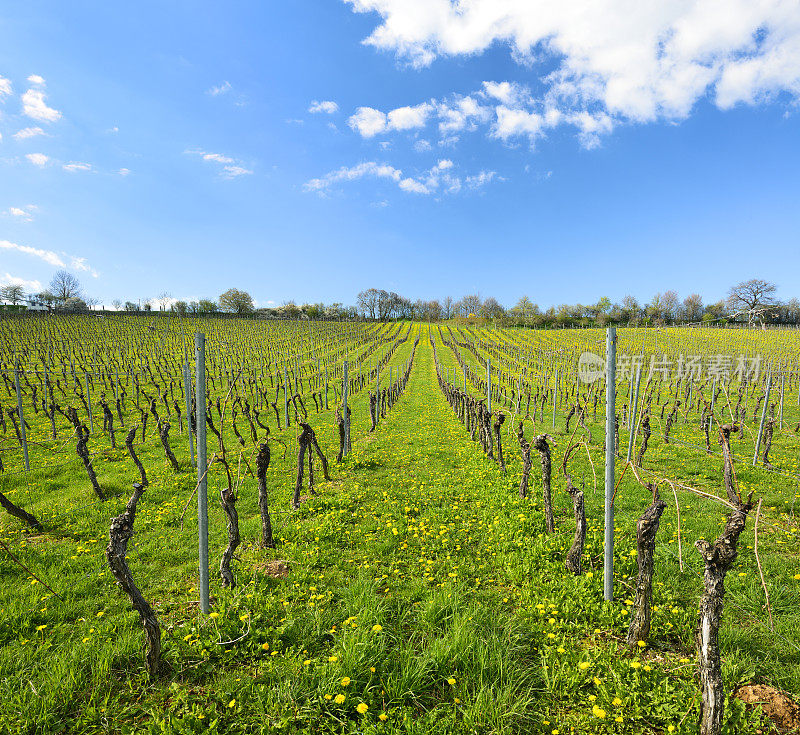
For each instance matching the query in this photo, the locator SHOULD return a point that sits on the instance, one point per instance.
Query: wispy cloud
(326, 106)
(34, 106)
(28, 133)
(5, 87)
(230, 167)
(24, 215)
(124, 171)
(220, 89)
(231, 172)
(77, 166)
(439, 179)
(345, 173)
(36, 79)
(50, 257)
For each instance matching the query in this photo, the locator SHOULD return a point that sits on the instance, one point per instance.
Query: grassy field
(420, 593)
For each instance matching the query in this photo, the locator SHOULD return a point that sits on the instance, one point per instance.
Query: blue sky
(578, 151)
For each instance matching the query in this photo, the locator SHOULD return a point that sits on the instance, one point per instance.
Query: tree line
(752, 302)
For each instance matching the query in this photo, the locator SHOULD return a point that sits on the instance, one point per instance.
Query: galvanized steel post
(202, 481)
(611, 399)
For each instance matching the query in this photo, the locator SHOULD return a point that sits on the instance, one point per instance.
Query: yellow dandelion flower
(339, 698)
(345, 681)
(362, 708)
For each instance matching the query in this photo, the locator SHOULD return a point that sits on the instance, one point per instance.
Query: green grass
(417, 574)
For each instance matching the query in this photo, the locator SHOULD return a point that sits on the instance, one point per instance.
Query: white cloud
(25, 215)
(217, 157)
(9, 280)
(80, 264)
(77, 166)
(36, 79)
(479, 180)
(634, 63)
(368, 122)
(407, 118)
(5, 87)
(28, 133)
(231, 172)
(511, 123)
(412, 185)
(37, 159)
(369, 168)
(326, 106)
(124, 171)
(220, 89)
(439, 178)
(507, 93)
(50, 257)
(231, 168)
(462, 114)
(421, 146)
(34, 106)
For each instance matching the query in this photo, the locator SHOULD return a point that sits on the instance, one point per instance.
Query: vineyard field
(415, 591)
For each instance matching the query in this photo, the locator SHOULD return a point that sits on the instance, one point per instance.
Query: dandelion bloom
(362, 708)
(345, 681)
(339, 698)
(451, 681)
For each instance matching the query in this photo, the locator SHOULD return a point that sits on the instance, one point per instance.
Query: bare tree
(368, 302)
(471, 304)
(65, 286)
(751, 295)
(491, 309)
(447, 307)
(693, 307)
(669, 305)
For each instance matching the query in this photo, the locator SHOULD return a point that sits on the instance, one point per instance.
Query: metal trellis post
(21, 419)
(202, 462)
(608, 560)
